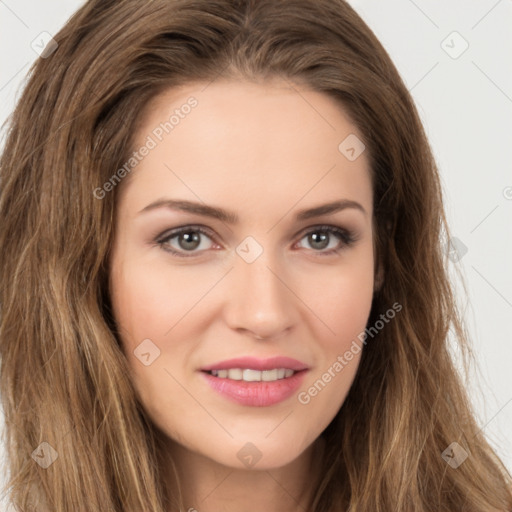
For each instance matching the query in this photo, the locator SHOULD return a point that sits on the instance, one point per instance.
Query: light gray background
(466, 106)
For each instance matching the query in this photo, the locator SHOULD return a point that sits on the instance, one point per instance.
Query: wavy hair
(64, 379)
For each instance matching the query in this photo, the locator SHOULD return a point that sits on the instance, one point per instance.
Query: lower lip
(256, 394)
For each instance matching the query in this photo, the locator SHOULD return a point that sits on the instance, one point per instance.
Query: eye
(186, 240)
(324, 237)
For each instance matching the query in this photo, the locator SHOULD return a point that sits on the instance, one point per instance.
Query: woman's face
(266, 289)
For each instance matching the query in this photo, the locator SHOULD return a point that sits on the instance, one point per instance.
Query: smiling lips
(256, 382)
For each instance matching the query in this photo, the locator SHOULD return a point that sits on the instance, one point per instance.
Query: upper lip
(253, 363)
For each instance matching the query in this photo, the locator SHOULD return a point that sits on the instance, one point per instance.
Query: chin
(260, 454)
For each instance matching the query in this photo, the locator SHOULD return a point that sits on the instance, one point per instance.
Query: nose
(260, 301)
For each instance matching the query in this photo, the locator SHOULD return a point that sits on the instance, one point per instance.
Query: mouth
(256, 382)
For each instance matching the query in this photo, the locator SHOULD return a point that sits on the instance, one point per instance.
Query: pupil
(190, 240)
(322, 240)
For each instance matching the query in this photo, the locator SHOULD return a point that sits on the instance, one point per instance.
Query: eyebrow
(230, 217)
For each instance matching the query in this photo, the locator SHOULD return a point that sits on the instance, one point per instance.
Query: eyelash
(347, 238)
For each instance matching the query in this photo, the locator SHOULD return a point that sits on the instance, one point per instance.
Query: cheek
(344, 306)
(148, 301)
(341, 298)
(146, 304)
(347, 308)
(155, 302)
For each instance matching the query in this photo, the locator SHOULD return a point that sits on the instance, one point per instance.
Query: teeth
(234, 374)
(269, 375)
(249, 375)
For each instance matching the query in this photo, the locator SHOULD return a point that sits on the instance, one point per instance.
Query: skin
(264, 151)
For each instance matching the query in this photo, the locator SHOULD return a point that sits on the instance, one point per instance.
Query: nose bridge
(258, 300)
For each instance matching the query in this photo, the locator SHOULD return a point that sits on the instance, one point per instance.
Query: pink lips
(259, 393)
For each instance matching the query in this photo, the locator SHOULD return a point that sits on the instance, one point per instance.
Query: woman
(223, 283)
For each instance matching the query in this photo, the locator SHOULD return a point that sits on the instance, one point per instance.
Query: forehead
(247, 143)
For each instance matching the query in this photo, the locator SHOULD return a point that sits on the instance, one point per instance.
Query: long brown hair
(64, 380)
